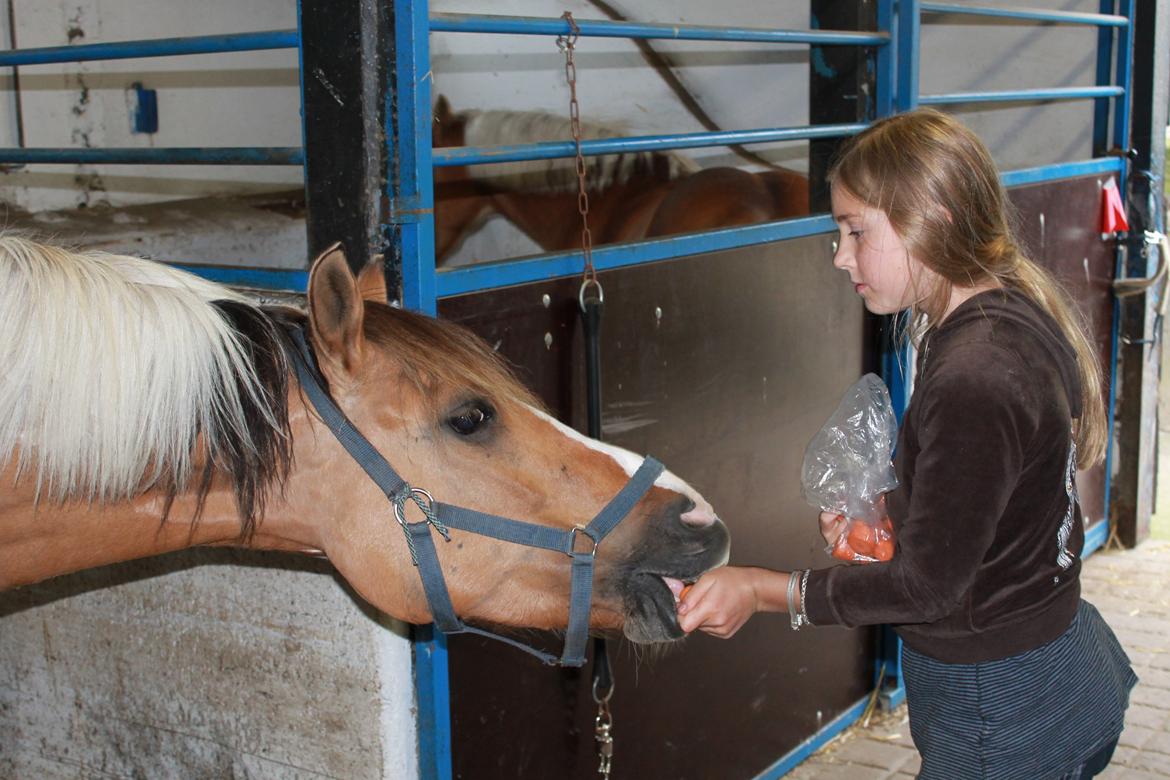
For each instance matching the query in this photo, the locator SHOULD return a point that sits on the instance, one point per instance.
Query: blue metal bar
(434, 703)
(160, 47)
(1104, 78)
(412, 200)
(798, 754)
(304, 134)
(1123, 78)
(487, 276)
(1028, 14)
(411, 234)
(1095, 538)
(222, 155)
(1120, 141)
(1101, 165)
(907, 31)
(547, 150)
(886, 64)
(1054, 93)
(256, 278)
(532, 25)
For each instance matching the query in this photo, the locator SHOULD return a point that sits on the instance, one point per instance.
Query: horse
(631, 196)
(144, 410)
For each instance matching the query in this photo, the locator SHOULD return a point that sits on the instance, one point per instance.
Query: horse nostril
(698, 516)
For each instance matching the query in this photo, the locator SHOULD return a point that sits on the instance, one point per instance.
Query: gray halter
(444, 516)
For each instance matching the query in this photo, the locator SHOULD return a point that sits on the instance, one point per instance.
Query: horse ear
(371, 281)
(336, 311)
(442, 112)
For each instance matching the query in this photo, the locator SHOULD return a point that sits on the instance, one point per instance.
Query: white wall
(243, 99)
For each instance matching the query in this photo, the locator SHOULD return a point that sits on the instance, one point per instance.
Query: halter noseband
(444, 516)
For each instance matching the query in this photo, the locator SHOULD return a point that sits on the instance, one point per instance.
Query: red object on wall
(1113, 218)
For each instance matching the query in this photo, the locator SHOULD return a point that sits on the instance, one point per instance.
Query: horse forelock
(495, 128)
(122, 373)
(434, 353)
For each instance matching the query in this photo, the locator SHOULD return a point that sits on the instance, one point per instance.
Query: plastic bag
(847, 470)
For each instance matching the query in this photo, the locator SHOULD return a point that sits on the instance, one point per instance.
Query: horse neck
(619, 212)
(41, 539)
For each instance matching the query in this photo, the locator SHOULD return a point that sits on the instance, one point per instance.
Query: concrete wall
(202, 664)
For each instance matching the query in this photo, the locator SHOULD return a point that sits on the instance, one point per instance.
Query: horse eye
(470, 418)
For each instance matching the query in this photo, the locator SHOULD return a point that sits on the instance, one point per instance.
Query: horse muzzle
(680, 551)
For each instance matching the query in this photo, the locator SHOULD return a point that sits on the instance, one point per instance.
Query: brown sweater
(988, 536)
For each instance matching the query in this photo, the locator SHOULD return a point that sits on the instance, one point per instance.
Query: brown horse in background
(632, 196)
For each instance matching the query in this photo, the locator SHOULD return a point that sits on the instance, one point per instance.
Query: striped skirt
(1038, 715)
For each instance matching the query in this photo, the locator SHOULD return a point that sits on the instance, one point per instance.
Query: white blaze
(702, 514)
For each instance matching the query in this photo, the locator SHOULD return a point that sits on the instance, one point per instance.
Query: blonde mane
(120, 373)
(497, 128)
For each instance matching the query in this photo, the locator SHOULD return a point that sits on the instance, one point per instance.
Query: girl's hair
(937, 183)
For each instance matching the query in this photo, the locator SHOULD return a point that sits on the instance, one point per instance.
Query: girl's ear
(336, 313)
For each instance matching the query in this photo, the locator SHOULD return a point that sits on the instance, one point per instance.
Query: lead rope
(591, 298)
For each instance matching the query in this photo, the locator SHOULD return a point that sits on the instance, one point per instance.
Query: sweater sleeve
(974, 420)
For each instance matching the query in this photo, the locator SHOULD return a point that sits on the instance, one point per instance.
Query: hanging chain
(567, 45)
(604, 736)
(603, 725)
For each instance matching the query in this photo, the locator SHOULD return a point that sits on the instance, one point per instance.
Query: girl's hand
(832, 526)
(720, 602)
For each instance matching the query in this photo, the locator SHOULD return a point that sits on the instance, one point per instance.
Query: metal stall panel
(1059, 227)
(723, 365)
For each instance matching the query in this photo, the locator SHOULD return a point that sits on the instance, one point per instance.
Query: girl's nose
(841, 257)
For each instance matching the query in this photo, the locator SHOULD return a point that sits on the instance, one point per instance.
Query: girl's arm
(723, 599)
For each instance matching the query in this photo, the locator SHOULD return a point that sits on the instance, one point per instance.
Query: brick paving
(1131, 588)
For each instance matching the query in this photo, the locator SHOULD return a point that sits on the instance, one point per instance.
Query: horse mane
(123, 375)
(495, 128)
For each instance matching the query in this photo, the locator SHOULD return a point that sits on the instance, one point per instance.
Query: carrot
(862, 537)
(682, 594)
(841, 549)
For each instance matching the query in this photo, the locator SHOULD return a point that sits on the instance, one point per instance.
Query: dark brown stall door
(1059, 225)
(723, 366)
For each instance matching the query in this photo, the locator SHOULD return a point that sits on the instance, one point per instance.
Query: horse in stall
(632, 196)
(145, 410)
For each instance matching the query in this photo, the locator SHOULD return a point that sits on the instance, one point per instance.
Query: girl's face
(882, 271)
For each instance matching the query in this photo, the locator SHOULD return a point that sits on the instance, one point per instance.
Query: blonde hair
(937, 183)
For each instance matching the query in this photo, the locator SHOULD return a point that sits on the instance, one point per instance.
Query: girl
(1008, 673)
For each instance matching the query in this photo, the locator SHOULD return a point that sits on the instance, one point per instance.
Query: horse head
(446, 411)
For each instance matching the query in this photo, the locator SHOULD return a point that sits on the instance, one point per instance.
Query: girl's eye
(856, 233)
(470, 418)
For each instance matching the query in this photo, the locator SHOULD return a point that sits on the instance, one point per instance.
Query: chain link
(567, 44)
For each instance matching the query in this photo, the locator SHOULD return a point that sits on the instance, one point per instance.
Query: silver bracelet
(790, 597)
(803, 614)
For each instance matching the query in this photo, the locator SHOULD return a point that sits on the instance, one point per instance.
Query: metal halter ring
(584, 285)
(417, 495)
(573, 540)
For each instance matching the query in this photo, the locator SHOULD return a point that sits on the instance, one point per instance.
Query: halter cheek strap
(442, 517)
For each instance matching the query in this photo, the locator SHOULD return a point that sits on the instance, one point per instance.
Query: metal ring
(602, 699)
(581, 292)
(417, 494)
(573, 540)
